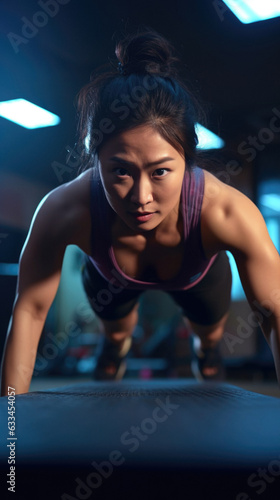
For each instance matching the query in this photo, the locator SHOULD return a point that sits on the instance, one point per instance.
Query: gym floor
(221, 439)
(267, 388)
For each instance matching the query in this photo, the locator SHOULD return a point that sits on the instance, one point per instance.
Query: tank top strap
(191, 200)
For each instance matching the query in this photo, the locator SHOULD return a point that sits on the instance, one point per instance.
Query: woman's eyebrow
(125, 162)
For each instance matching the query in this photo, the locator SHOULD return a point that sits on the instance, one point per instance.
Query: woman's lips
(142, 216)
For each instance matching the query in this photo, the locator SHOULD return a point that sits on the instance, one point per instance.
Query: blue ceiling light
(252, 11)
(207, 139)
(27, 115)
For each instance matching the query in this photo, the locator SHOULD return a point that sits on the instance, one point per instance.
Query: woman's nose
(142, 192)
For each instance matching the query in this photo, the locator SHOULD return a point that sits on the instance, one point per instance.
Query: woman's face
(142, 176)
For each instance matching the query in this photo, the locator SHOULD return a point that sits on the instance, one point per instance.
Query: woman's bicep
(259, 271)
(257, 259)
(38, 281)
(41, 259)
(237, 225)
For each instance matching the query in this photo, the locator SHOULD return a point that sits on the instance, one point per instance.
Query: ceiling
(233, 67)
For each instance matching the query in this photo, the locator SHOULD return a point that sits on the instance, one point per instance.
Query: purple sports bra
(195, 265)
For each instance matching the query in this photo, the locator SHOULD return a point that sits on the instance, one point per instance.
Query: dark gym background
(233, 67)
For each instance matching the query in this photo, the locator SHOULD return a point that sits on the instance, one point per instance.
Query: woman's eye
(121, 172)
(161, 172)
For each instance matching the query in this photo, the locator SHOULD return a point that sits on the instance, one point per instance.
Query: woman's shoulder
(72, 192)
(226, 215)
(78, 213)
(218, 194)
(70, 199)
(79, 187)
(65, 211)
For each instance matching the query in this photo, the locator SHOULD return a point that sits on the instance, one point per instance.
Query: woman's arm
(39, 274)
(258, 263)
(62, 218)
(236, 224)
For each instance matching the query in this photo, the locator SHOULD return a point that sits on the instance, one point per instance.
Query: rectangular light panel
(252, 11)
(207, 139)
(27, 115)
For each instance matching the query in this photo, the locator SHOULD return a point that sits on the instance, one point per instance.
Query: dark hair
(142, 87)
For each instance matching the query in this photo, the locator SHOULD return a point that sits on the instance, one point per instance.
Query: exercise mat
(133, 439)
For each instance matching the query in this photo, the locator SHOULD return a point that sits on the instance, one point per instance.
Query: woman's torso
(145, 258)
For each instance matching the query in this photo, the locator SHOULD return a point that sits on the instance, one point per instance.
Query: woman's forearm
(20, 351)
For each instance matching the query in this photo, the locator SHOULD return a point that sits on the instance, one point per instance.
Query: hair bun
(146, 52)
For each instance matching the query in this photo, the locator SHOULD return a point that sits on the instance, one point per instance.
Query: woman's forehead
(142, 140)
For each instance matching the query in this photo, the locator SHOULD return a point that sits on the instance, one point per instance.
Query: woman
(146, 217)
